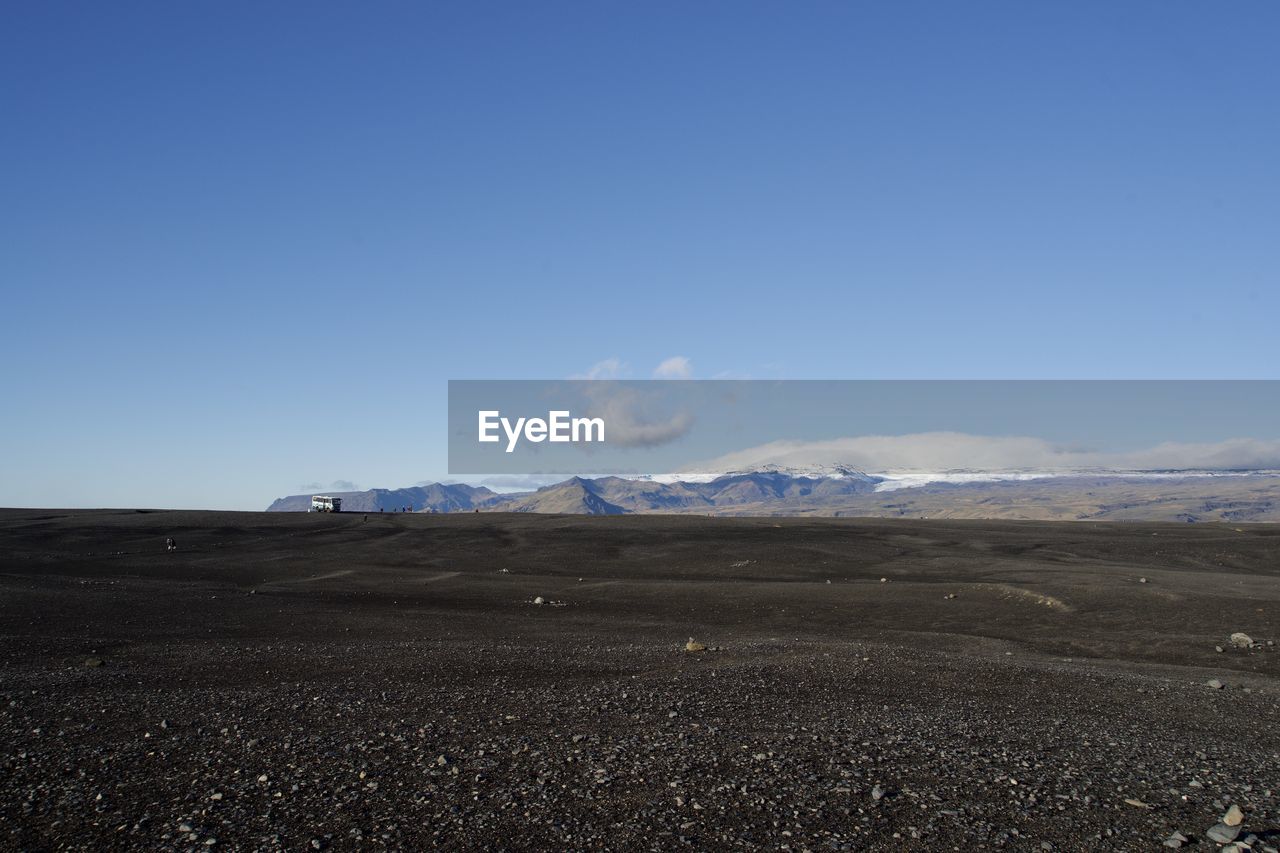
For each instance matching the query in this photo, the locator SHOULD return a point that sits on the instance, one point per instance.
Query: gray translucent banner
(642, 427)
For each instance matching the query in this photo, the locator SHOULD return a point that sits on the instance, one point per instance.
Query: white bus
(324, 503)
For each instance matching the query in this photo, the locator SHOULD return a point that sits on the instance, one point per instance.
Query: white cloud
(676, 367)
(633, 418)
(610, 368)
(949, 451)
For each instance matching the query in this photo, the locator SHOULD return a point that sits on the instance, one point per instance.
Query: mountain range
(1129, 496)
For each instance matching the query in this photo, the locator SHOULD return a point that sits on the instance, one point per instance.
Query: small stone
(884, 580)
(1137, 804)
(1233, 816)
(441, 760)
(694, 646)
(1241, 640)
(539, 600)
(877, 793)
(93, 662)
(1222, 833)
(1214, 683)
(1142, 580)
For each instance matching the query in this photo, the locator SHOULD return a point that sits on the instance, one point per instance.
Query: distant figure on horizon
(170, 545)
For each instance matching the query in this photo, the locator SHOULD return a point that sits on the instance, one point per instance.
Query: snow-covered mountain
(906, 478)
(1097, 494)
(814, 472)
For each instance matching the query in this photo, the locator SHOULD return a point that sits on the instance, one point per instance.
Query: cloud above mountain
(610, 368)
(942, 451)
(676, 367)
(634, 417)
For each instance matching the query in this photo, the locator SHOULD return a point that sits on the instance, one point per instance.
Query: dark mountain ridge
(774, 493)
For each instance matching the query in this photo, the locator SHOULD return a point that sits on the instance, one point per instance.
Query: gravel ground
(295, 682)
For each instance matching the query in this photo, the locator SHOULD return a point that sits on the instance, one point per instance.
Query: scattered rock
(1222, 833)
(1137, 804)
(539, 600)
(93, 662)
(694, 646)
(1214, 683)
(878, 793)
(1241, 640)
(1142, 580)
(884, 580)
(1233, 817)
(1175, 841)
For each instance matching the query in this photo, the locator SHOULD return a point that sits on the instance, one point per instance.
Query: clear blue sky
(245, 245)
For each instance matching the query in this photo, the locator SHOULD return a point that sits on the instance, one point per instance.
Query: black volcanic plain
(304, 681)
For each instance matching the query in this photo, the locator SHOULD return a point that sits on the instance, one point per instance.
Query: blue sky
(226, 223)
